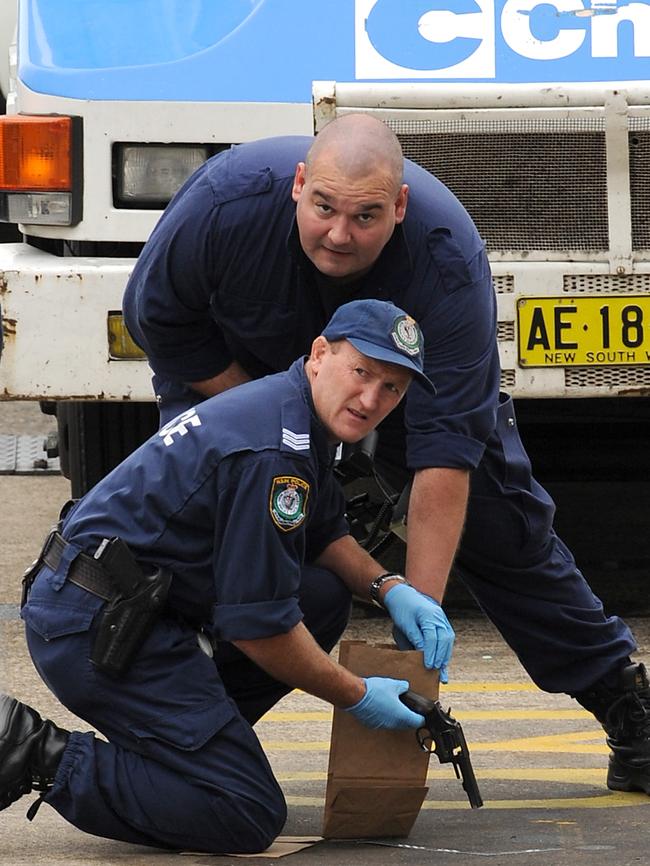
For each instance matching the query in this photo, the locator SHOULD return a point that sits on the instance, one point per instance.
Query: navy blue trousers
(181, 766)
(525, 578)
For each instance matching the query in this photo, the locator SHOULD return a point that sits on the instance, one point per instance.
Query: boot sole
(628, 780)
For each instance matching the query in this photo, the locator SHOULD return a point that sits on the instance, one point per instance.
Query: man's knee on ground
(244, 826)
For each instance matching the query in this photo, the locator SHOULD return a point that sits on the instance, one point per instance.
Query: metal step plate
(26, 455)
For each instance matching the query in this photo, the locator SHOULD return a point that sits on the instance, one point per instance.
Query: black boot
(623, 709)
(30, 751)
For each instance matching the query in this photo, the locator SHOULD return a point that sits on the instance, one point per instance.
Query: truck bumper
(54, 328)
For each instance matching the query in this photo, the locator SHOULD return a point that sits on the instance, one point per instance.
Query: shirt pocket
(449, 260)
(258, 332)
(250, 314)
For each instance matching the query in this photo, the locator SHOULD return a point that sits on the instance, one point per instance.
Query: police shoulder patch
(288, 501)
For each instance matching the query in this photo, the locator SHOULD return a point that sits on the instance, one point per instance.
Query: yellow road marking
(576, 743)
(488, 686)
(570, 775)
(479, 686)
(461, 715)
(288, 716)
(574, 775)
(567, 742)
(497, 715)
(609, 800)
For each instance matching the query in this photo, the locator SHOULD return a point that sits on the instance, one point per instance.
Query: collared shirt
(223, 277)
(233, 496)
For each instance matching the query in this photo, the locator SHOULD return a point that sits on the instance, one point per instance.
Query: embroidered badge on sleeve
(288, 501)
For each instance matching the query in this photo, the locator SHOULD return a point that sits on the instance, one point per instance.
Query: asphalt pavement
(540, 760)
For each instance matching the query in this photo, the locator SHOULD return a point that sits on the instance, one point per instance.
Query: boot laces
(629, 715)
(42, 782)
(36, 805)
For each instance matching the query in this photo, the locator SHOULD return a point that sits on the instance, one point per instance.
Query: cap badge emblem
(406, 335)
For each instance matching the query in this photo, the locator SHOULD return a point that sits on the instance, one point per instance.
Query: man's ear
(298, 181)
(319, 348)
(401, 202)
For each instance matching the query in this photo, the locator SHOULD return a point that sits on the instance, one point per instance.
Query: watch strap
(378, 582)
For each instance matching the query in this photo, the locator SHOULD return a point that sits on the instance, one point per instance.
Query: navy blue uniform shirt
(233, 496)
(223, 277)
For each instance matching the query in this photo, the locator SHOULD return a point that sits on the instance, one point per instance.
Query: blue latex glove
(420, 623)
(381, 707)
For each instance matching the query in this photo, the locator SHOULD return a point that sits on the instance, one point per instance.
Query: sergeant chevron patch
(297, 441)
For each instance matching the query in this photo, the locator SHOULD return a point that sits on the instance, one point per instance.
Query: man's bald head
(359, 144)
(349, 196)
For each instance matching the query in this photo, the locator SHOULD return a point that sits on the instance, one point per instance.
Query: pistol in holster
(127, 619)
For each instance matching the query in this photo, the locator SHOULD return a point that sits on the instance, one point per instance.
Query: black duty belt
(85, 571)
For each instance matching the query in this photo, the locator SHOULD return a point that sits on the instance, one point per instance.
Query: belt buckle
(28, 579)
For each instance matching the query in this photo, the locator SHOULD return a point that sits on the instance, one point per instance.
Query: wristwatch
(378, 582)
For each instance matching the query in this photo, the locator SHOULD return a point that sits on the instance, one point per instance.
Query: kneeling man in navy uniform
(199, 582)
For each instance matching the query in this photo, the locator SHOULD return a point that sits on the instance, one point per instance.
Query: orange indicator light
(35, 153)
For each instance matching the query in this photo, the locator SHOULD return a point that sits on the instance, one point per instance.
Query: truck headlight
(148, 175)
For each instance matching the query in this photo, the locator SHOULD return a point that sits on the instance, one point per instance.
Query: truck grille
(639, 147)
(608, 284)
(528, 184)
(557, 181)
(618, 379)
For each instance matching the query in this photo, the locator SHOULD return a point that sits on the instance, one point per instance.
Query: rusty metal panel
(54, 324)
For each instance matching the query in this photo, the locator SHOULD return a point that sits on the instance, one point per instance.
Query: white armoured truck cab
(537, 115)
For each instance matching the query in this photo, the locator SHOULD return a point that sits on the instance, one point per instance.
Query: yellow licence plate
(584, 331)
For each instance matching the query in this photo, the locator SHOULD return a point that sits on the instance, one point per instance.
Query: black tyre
(95, 437)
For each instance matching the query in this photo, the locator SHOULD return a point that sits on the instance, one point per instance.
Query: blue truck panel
(271, 50)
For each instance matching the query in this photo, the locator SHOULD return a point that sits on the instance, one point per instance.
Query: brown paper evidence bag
(376, 780)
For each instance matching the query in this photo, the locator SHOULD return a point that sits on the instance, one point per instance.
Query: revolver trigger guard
(425, 740)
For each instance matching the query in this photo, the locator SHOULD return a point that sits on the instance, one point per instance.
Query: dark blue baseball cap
(380, 330)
